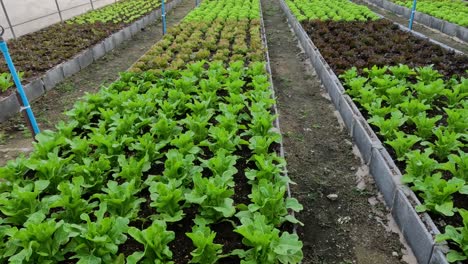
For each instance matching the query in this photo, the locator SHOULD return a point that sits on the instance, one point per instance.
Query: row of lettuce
(454, 11)
(39, 51)
(420, 114)
(161, 150)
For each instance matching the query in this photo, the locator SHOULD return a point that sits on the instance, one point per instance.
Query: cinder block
(134, 29)
(449, 28)
(34, 89)
(157, 14)
(383, 176)
(139, 23)
(152, 16)
(109, 44)
(364, 138)
(412, 227)
(437, 23)
(462, 33)
(118, 38)
(71, 67)
(347, 111)
(8, 107)
(99, 50)
(145, 21)
(85, 58)
(52, 77)
(424, 19)
(127, 33)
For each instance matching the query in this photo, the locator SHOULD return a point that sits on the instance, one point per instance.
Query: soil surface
(432, 33)
(345, 220)
(15, 138)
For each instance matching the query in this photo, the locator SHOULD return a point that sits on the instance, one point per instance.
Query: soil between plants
(353, 228)
(14, 135)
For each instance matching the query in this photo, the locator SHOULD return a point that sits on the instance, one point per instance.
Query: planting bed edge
(10, 106)
(418, 229)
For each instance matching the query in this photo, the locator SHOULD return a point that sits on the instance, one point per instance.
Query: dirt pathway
(16, 139)
(345, 221)
(432, 33)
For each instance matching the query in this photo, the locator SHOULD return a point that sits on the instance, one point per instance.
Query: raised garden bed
(350, 45)
(170, 166)
(67, 57)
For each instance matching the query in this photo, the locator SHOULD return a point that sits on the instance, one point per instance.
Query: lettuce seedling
(425, 125)
(389, 126)
(261, 144)
(419, 165)
(40, 241)
(214, 197)
(457, 164)
(266, 245)
(427, 74)
(457, 119)
(437, 193)
(221, 164)
(179, 166)
(268, 198)
(269, 167)
(402, 143)
(446, 142)
(97, 240)
(70, 200)
(155, 239)
(121, 199)
(429, 92)
(458, 236)
(401, 71)
(184, 143)
(206, 252)
(22, 201)
(413, 107)
(166, 199)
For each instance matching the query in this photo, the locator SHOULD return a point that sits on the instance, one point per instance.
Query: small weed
(66, 87)
(316, 126)
(362, 192)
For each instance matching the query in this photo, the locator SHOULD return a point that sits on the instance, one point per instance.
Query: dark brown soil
(352, 228)
(365, 44)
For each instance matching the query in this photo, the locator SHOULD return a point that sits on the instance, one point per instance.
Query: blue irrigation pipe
(197, 2)
(163, 15)
(19, 87)
(413, 10)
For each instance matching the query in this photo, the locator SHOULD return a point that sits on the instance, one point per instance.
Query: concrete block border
(418, 229)
(444, 26)
(9, 106)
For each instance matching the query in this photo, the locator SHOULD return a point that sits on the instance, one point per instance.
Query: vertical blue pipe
(413, 10)
(14, 74)
(197, 2)
(163, 15)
